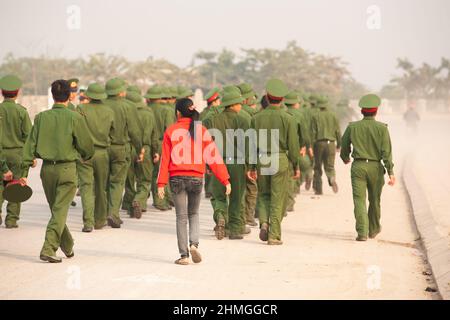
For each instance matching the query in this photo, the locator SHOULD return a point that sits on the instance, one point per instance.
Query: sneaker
(112, 223)
(137, 209)
(373, 235)
(69, 255)
(51, 259)
(264, 232)
(220, 229)
(100, 226)
(274, 242)
(196, 257)
(361, 238)
(182, 261)
(87, 229)
(11, 226)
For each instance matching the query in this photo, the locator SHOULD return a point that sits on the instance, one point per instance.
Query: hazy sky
(175, 29)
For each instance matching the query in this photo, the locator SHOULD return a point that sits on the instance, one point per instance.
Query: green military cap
(10, 83)
(184, 92)
(15, 192)
(114, 87)
(276, 88)
(134, 96)
(154, 92)
(291, 98)
(246, 90)
(134, 89)
(370, 101)
(314, 99)
(173, 92)
(165, 92)
(231, 96)
(96, 91)
(212, 94)
(322, 101)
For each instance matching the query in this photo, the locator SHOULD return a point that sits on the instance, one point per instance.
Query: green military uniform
(326, 135)
(291, 101)
(206, 115)
(59, 137)
(227, 212)
(306, 161)
(164, 118)
(371, 144)
(272, 183)
(93, 174)
(73, 93)
(150, 143)
(16, 125)
(125, 127)
(251, 187)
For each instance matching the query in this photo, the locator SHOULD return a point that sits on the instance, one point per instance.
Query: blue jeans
(186, 193)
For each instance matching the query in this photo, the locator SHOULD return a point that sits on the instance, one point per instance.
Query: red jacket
(182, 156)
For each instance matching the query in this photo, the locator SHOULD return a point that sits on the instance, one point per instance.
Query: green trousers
(208, 184)
(324, 156)
(306, 168)
(251, 193)
(130, 181)
(93, 176)
(118, 166)
(144, 172)
(367, 176)
(230, 209)
(60, 184)
(13, 158)
(290, 199)
(272, 197)
(157, 202)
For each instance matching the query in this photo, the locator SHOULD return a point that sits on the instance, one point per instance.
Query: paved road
(319, 260)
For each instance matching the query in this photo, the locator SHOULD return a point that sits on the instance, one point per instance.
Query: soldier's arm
(346, 148)
(155, 145)
(386, 152)
(133, 127)
(293, 145)
(253, 147)
(29, 149)
(83, 141)
(26, 126)
(337, 132)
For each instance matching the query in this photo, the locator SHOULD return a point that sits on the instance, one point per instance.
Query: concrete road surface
(319, 258)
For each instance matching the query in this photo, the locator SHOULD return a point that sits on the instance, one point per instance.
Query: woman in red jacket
(187, 148)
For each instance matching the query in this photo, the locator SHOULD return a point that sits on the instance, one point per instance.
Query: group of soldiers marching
(109, 148)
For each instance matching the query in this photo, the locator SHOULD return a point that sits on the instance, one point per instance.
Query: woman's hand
(228, 189)
(161, 192)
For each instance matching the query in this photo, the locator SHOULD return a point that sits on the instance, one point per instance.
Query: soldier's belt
(325, 140)
(57, 162)
(366, 160)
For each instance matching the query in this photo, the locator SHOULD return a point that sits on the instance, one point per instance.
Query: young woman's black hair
(186, 107)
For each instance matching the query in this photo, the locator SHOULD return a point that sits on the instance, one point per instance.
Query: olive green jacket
(325, 126)
(370, 140)
(150, 134)
(163, 116)
(126, 123)
(16, 124)
(99, 119)
(274, 118)
(232, 121)
(303, 135)
(58, 134)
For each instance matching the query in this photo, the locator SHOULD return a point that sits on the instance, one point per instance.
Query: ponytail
(186, 107)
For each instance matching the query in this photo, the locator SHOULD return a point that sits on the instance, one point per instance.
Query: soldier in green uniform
(292, 103)
(144, 169)
(369, 143)
(163, 118)
(16, 125)
(213, 107)
(227, 212)
(326, 136)
(184, 92)
(274, 161)
(93, 173)
(306, 160)
(73, 93)
(126, 127)
(59, 137)
(251, 188)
